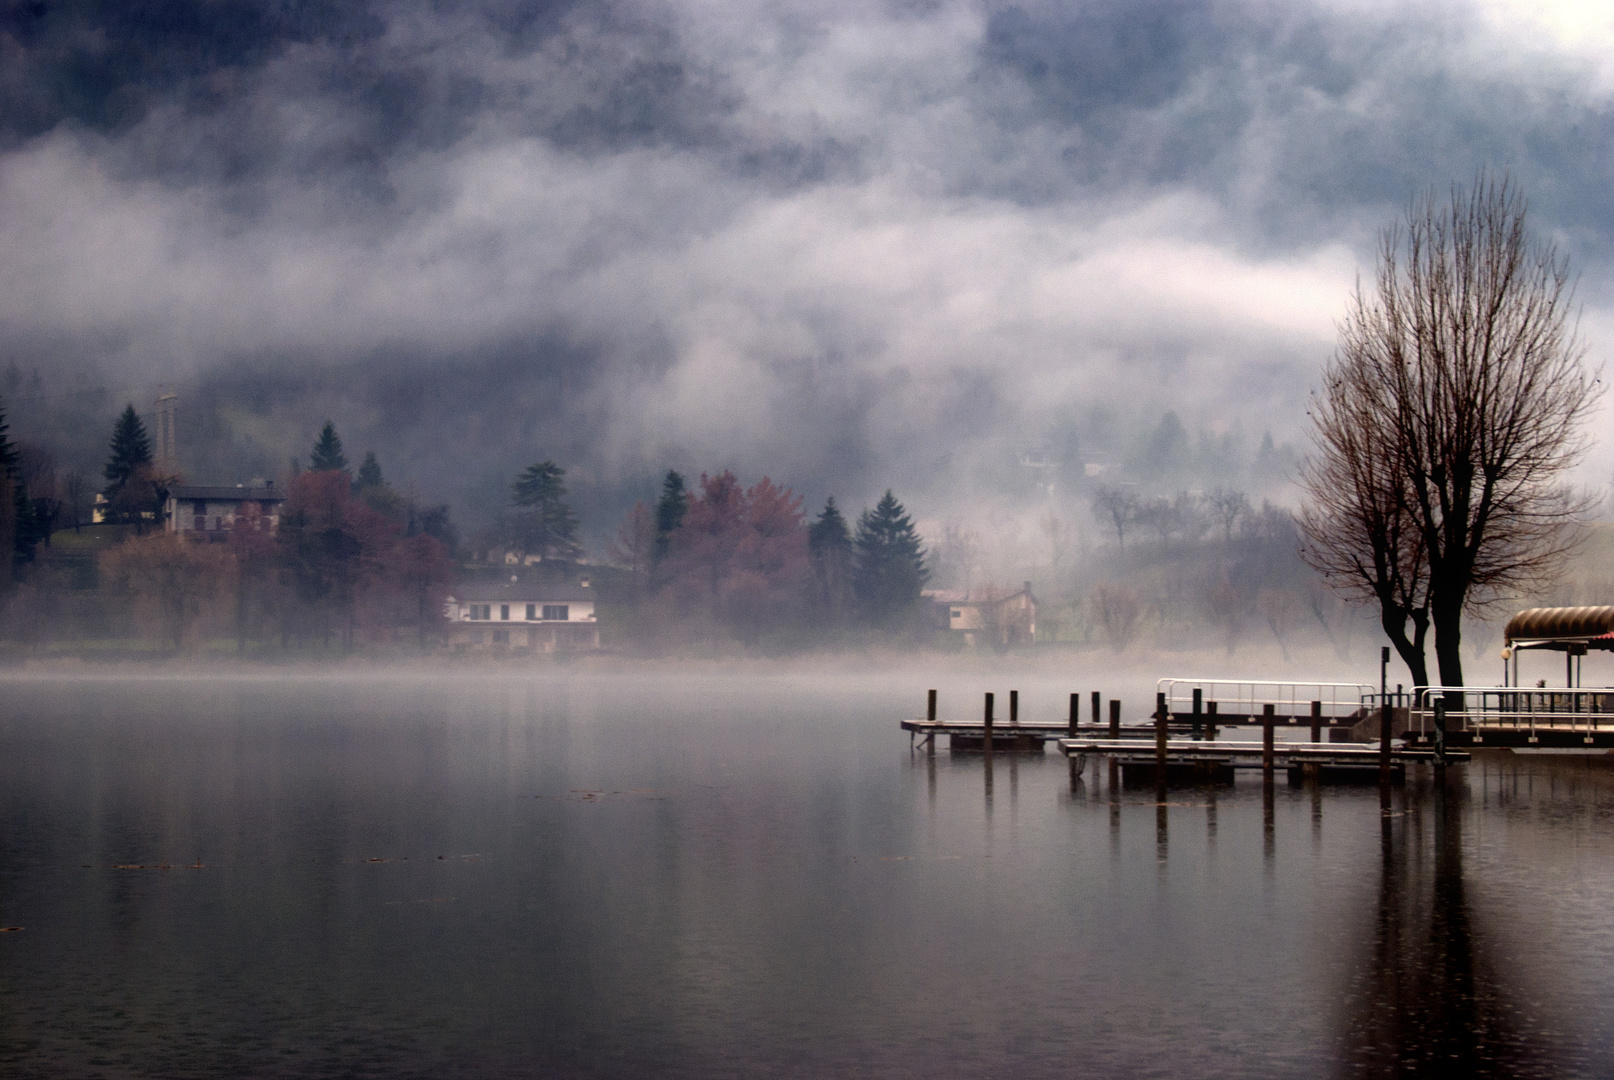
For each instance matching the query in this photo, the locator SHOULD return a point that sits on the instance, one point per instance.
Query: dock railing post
(1267, 721)
(1161, 719)
(1075, 713)
(986, 741)
(1316, 721)
(1115, 718)
(1210, 721)
(1199, 696)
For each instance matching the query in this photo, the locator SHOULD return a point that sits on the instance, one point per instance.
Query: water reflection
(1427, 998)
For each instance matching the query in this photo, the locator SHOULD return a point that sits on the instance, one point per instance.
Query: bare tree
(1118, 609)
(1120, 506)
(1447, 421)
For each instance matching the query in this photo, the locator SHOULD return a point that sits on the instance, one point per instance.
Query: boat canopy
(1561, 628)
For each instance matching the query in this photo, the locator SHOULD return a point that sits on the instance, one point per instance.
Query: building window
(532, 612)
(504, 613)
(481, 611)
(957, 614)
(555, 613)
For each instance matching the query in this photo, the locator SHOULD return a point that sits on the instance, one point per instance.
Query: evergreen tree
(544, 525)
(829, 545)
(670, 511)
(890, 570)
(327, 455)
(8, 449)
(131, 451)
(369, 474)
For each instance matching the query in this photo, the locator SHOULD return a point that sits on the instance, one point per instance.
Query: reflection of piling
(1269, 837)
(1115, 718)
(1316, 721)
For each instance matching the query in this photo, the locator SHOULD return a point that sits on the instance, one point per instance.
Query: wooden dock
(1191, 761)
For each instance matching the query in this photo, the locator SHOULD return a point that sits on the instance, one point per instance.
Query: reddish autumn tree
(740, 554)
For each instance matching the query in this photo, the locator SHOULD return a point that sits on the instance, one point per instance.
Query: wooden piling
(930, 708)
(1316, 721)
(1198, 708)
(1267, 721)
(1097, 701)
(986, 743)
(1384, 740)
(1115, 718)
(1210, 721)
(1075, 713)
(1014, 708)
(1161, 719)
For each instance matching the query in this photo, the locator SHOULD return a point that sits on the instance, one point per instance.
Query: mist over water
(721, 872)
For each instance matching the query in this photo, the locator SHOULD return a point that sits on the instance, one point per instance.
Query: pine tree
(131, 450)
(544, 525)
(670, 511)
(8, 449)
(327, 455)
(369, 474)
(890, 570)
(829, 544)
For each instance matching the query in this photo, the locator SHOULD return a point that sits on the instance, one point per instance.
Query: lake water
(714, 875)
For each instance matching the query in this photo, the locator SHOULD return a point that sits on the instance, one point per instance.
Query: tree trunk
(1448, 620)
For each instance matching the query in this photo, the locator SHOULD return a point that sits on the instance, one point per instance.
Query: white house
(208, 513)
(502, 616)
(991, 614)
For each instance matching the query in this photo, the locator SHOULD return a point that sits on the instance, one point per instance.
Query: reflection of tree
(1427, 1002)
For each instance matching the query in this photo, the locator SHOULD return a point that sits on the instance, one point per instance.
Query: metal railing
(1562, 708)
(1250, 696)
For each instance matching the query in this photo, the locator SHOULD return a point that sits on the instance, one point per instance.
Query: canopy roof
(1560, 627)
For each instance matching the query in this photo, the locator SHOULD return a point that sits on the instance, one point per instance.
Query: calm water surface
(707, 876)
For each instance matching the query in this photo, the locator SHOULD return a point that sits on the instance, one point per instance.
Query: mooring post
(1115, 718)
(986, 742)
(1266, 741)
(1014, 708)
(1199, 695)
(1097, 700)
(1210, 721)
(1316, 721)
(1075, 713)
(1161, 719)
(1440, 732)
(1384, 714)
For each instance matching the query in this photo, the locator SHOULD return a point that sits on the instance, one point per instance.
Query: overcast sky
(841, 243)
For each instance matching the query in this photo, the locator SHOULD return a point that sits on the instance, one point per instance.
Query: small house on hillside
(990, 615)
(209, 513)
(506, 616)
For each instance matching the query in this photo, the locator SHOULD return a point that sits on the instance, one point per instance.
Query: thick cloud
(852, 245)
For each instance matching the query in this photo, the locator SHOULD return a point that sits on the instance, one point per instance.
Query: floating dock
(1190, 761)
